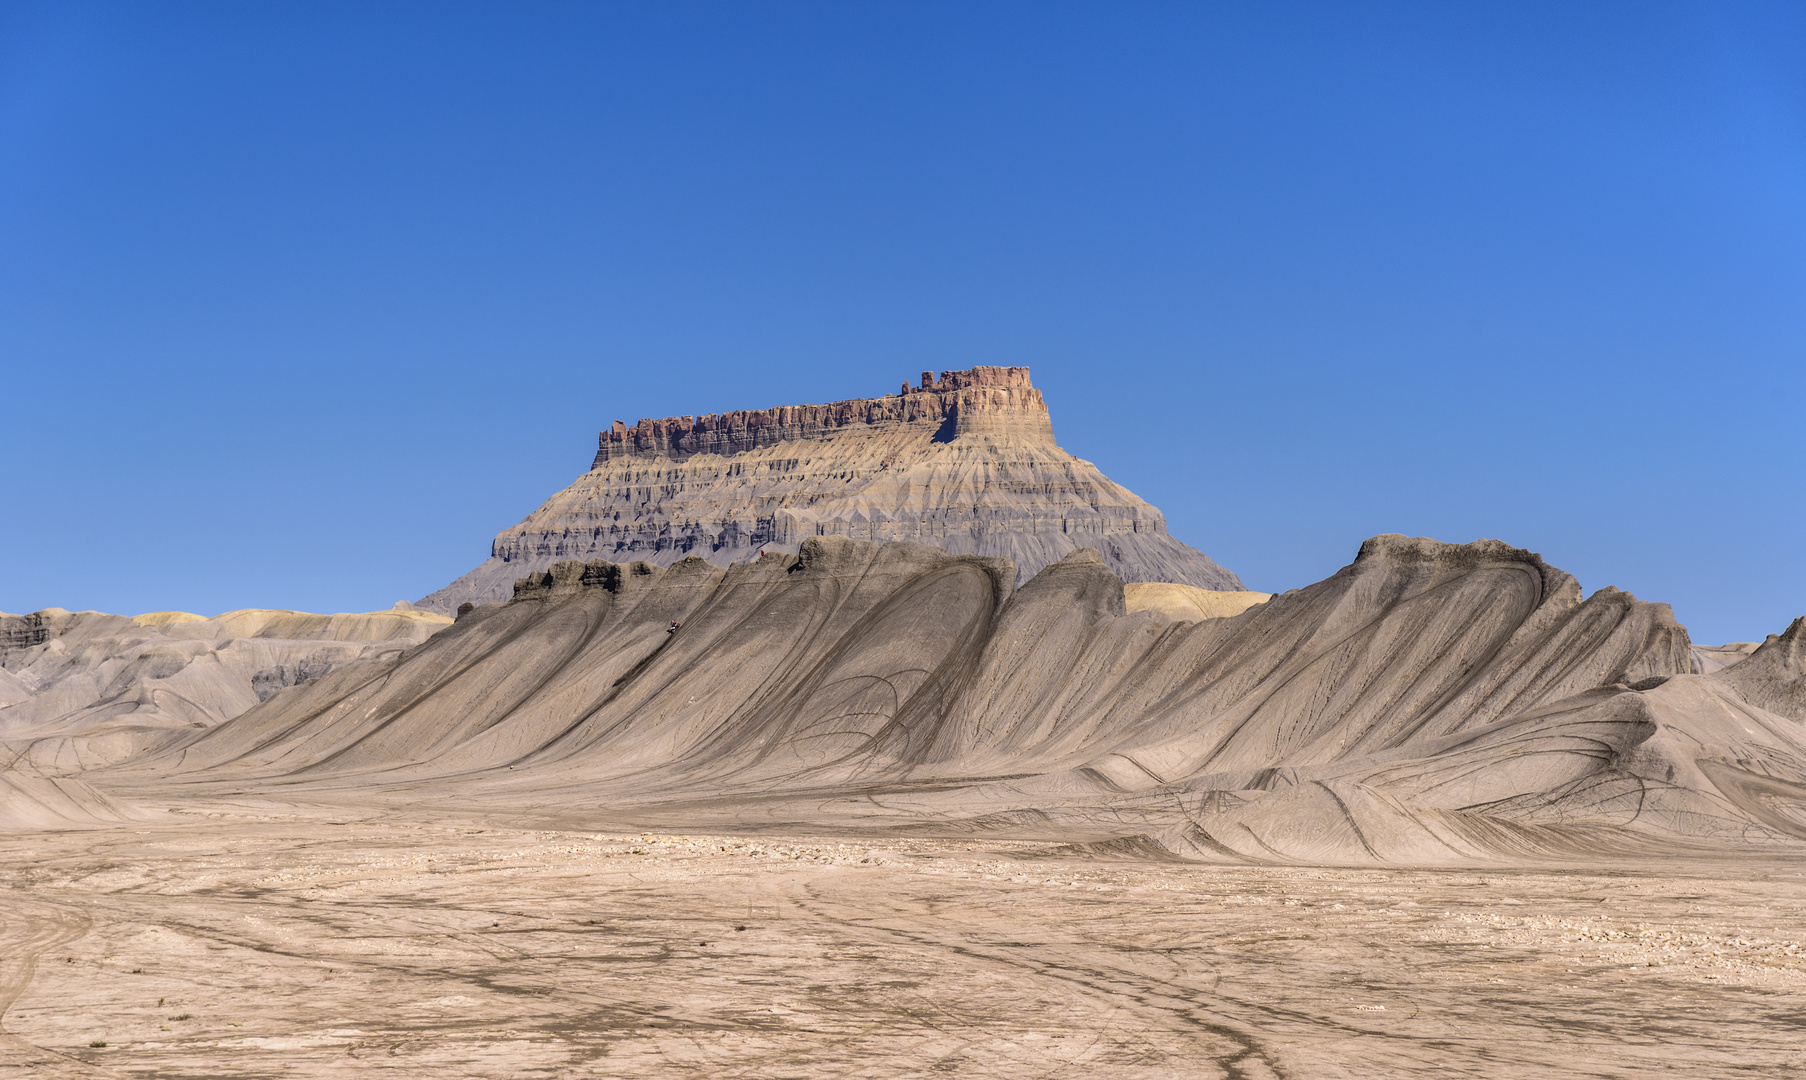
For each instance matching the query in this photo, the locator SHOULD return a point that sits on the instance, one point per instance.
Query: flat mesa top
(962, 400)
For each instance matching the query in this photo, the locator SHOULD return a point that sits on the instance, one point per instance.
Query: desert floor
(308, 944)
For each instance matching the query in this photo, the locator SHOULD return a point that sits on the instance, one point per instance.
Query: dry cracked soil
(240, 944)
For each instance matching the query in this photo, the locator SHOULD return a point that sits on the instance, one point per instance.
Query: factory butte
(966, 462)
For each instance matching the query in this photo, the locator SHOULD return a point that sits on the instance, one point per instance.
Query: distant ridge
(965, 461)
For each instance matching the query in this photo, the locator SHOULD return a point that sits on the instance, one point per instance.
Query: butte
(966, 463)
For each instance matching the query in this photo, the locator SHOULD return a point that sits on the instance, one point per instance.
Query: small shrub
(98, 1043)
(184, 1016)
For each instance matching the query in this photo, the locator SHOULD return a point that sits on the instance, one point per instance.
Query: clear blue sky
(301, 304)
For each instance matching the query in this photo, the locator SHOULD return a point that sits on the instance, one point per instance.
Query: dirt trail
(31, 931)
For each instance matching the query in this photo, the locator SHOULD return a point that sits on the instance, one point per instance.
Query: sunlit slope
(1188, 603)
(1430, 702)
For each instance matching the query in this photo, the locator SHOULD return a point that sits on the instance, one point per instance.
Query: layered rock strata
(965, 461)
(997, 400)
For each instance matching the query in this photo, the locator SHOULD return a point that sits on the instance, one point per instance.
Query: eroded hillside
(1430, 703)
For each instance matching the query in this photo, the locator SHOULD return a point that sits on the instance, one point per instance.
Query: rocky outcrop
(965, 462)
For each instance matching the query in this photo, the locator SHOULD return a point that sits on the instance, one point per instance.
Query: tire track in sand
(28, 930)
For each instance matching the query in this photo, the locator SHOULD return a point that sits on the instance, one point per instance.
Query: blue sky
(301, 304)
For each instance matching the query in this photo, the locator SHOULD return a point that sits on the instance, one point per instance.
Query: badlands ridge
(1429, 704)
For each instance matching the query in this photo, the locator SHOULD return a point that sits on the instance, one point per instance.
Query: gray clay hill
(966, 462)
(1429, 704)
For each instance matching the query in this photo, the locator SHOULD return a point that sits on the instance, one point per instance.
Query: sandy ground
(307, 945)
